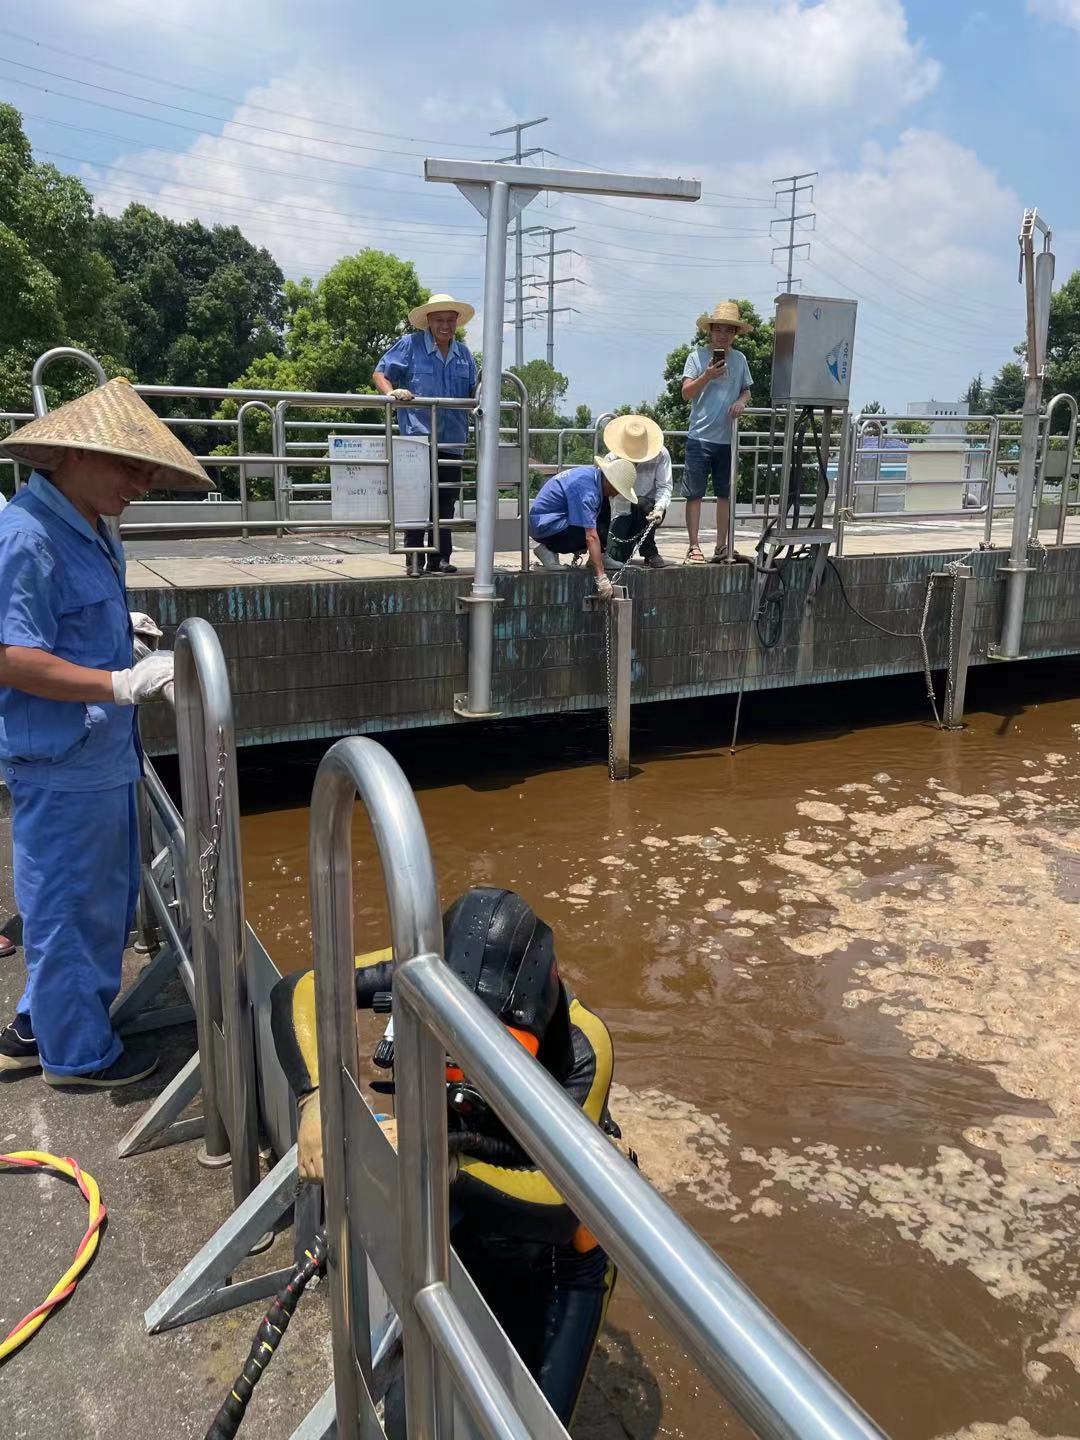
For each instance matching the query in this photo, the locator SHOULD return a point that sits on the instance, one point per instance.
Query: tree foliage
(57, 287)
(200, 303)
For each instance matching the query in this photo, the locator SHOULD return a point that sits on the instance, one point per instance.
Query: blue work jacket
(415, 363)
(62, 589)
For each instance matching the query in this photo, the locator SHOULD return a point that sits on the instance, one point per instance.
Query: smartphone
(719, 356)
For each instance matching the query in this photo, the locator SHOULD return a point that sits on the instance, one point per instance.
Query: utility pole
(795, 189)
(551, 281)
(517, 157)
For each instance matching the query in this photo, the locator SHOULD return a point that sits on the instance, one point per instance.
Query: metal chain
(930, 579)
(210, 856)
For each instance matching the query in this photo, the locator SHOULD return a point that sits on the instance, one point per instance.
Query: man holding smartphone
(716, 381)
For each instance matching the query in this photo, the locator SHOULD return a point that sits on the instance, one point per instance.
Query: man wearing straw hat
(640, 440)
(69, 749)
(429, 361)
(571, 514)
(716, 381)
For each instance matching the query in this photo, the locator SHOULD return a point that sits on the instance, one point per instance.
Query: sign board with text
(359, 492)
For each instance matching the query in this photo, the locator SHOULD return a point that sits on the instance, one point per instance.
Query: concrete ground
(92, 1370)
(171, 563)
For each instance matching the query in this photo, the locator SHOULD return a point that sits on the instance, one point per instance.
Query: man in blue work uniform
(572, 509)
(716, 381)
(430, 362)
(69, 749)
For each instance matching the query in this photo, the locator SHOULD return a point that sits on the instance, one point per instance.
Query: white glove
(147, 633)
(655, 516)
(146, 679)
(604, 588)
(401, 395)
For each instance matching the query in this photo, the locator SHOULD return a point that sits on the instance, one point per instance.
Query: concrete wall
(353, 656)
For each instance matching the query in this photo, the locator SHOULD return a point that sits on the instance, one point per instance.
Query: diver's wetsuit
(544, 1276)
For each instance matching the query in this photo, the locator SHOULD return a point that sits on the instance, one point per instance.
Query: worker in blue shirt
(571, 510)
(430, 362)
(69, 748)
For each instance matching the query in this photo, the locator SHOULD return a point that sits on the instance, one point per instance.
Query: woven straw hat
(726, 313)
(620, 473)
(634, 437)
(112, 420)
(418, 318)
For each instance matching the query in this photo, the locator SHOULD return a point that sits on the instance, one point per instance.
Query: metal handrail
(211, 811)
(770, 1379)
(350, 769)
(773, 1382)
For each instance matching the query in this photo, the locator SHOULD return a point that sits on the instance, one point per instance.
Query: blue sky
(931, 126)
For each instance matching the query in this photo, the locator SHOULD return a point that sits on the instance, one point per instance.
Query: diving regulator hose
(267, 1338)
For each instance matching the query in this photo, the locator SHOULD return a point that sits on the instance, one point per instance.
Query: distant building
(946, 416)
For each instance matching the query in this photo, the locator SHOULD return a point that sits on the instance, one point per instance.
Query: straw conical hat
(112, 420)
(619, 473)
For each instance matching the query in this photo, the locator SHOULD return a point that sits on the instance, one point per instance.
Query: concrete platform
(155, 564)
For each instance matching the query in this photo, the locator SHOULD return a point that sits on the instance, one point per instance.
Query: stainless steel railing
(774, 1384)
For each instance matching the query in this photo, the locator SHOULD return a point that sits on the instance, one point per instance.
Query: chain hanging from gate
(211, 854)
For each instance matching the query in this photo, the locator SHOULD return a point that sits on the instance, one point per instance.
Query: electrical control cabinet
(815, 341)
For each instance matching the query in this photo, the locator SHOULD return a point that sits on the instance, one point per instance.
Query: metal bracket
(479, 197)
(592, 602)
(205, 1285)
(462, 602)
(462, 711)
(994, 652)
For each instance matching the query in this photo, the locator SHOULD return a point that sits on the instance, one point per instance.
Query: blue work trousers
(76, 861)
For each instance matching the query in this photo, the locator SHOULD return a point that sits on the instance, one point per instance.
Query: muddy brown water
(840, 969)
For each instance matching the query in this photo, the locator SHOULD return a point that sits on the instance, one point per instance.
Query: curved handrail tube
(350, 769)
(207, 753)
(44, 362)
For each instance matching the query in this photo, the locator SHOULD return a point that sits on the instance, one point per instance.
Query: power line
(231, 100)
(437, 192)
(213, 134)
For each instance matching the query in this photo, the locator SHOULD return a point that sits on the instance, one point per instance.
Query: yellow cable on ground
(65, 1286)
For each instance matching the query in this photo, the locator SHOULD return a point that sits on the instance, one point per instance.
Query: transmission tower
(794, 188)
(519, 155)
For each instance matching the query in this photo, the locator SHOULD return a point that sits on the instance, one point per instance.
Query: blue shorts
(703, 458)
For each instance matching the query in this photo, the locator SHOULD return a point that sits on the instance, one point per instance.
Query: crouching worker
(69, 748)
(572, 513)
(544, 1276)
(633, 523)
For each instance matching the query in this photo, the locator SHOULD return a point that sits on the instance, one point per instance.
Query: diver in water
(543, 1274)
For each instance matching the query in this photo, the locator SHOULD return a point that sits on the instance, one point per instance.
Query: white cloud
(765, 61)
(1067, 12)
(304, 211)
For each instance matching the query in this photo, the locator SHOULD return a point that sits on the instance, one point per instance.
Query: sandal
(694, 556)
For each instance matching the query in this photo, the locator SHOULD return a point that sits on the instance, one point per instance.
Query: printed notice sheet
(358, 492)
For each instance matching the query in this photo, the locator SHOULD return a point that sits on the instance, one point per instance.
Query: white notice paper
(358, 492)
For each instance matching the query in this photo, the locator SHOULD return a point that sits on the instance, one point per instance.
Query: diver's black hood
(497, 945)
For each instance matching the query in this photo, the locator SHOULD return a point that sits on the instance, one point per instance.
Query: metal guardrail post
(1066, 480)
(241, 448)
(207, 752)
(361, 768)
(516, 382)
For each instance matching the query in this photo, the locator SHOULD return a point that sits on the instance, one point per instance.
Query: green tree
(336, 329)
(976, 396)
(873, 407)
(1006, 393)
(1063, 346)
(57, 287)
(201, 303)
(912, 427)
(547, 387)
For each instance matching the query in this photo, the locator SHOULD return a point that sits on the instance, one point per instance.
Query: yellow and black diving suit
(543, 1274)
